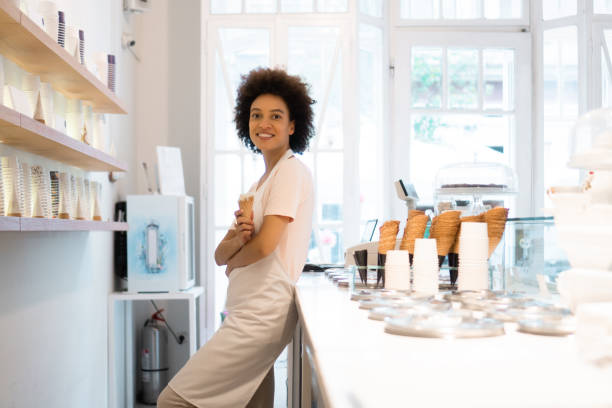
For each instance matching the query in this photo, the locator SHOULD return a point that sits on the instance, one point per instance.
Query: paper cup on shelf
(74, 118)
(12, 73)
(96, 191)
(41, 205)
(12, 186)
(101, 61)
(46, 102)
(72, 42)
(64, 209)
(30, 85)
(26, 189)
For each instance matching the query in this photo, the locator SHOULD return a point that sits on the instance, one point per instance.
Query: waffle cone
(496, 224)
(415, 228)
(469, 218)
(388, 236)
(246, 205)
(414, 213)
(445, 231)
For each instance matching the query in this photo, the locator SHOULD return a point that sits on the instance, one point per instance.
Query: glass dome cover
(592, 141)
(470, 178)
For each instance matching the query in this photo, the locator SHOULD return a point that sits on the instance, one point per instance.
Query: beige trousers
(263, 397)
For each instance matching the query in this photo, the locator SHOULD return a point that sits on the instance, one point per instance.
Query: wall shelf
(26, 44)
(27, 134)
(25, 224)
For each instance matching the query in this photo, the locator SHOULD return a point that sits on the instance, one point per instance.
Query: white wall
(54, 286)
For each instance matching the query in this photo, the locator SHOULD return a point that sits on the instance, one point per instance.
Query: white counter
(357, 364)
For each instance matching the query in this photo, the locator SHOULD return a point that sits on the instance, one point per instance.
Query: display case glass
(473, 188)
(531, 249)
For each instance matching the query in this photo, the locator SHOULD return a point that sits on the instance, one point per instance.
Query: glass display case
(530, 249)
(473, 188)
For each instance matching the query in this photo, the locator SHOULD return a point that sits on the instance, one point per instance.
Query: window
(459, 104)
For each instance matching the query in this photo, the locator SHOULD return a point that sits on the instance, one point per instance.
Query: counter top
(357, 364)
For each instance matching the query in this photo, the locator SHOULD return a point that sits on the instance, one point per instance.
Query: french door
(317, 50)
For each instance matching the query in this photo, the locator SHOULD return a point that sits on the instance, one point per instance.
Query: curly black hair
(294, 93)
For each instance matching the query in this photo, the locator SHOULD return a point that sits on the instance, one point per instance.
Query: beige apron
(261, 319)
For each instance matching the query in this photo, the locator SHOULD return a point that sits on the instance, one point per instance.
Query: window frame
(446, 23)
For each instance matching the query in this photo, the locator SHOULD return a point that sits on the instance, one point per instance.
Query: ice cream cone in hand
(245, 202)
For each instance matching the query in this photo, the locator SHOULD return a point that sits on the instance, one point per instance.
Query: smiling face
(269, 124)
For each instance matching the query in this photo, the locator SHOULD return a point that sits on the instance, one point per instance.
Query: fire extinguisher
(154, 358)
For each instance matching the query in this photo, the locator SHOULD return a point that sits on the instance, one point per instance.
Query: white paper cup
(473, 249)
(397, 277)
(396, 258)
(594, 331)
(478, 229)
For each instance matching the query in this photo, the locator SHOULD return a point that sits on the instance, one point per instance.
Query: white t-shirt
(289, 192)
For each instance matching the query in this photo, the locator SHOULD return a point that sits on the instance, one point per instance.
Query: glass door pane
(560, 103)
(552, 9)
(420, 9)
(498, 78)
(426, 77)
(463, 69)
(314, 53)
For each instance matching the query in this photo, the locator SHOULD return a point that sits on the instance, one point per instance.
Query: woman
(264, 255)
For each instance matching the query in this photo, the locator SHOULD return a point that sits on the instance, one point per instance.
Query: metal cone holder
(96, 191)
(11, 176)
(64, 210)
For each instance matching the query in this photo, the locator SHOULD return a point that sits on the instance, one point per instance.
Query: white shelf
(118, 356)
(26, 224)
(187, 294)
(27, 134)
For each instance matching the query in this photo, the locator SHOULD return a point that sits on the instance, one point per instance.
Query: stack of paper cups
(397, 270)
(48, 11)
(473, 254)
(594, 331)
(425, 266)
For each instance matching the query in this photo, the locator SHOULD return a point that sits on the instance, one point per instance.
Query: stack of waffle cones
(388, 236)
(245, 202)
(470, 218)
(496, 223)
(416, 224)
(444, 230)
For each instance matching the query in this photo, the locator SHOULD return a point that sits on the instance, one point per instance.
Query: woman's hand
(245, 228)
(228, 270)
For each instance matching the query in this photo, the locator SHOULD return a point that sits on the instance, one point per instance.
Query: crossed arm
(241, 247)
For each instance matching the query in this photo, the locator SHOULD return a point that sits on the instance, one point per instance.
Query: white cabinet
(123, 334)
